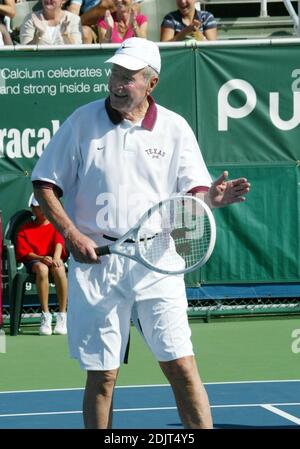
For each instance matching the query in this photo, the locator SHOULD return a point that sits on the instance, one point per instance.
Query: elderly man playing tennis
(112, 159)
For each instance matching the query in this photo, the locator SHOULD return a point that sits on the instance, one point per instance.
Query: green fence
(243, 102)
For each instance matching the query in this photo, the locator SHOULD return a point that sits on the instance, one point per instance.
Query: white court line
(41, 391)
(146, 409)
(17, 415)
(281, 413)
(154, 385)
(252, 382)
(252, 405)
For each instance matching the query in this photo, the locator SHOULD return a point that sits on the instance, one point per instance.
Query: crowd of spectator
(103, 21)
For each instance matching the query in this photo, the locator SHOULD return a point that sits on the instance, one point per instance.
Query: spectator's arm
(92, 16)
(105, 28)
(5, 35)
(168, 34)
(29, 34)
(73, 32)
(139, 29)
(32, 256)
(59, 240)
(74, 8)
(57, 251)
(211, 34)
(104, 35)
(57, 256)
(8, 8)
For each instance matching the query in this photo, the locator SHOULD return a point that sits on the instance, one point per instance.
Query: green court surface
(229, 350)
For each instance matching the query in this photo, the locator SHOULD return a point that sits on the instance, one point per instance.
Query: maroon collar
(151, 115)
(148, 121)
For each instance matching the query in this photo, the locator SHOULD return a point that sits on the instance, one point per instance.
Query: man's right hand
(82, 247)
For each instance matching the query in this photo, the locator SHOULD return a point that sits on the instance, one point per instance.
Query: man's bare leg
(190, 394)
(98, 399)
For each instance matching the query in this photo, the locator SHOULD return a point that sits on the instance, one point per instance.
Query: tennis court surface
(250, 368)
(271, 404)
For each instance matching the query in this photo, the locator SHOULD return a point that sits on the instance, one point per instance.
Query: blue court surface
(235, 405)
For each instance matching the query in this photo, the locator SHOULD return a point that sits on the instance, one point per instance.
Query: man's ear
(152, 84)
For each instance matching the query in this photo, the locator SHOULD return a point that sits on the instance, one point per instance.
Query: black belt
(114, 239)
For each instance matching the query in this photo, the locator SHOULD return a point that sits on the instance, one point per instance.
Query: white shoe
(46, 320)
(61, 324)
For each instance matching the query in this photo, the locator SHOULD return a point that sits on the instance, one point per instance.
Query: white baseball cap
(137, 53)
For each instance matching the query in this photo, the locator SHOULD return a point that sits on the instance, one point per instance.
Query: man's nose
(117, 83)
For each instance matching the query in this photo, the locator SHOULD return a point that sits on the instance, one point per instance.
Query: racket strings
(182, 236)
(192, 247)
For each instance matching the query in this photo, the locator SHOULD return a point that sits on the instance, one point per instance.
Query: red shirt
(38, 239)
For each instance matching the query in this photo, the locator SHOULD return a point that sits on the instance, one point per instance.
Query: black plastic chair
(17, 274)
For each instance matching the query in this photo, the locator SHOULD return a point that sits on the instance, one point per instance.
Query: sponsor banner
(248, 105)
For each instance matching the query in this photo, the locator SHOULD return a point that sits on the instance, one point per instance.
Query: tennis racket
(175, 236)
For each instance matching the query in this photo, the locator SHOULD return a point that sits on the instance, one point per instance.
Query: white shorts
(102, 300)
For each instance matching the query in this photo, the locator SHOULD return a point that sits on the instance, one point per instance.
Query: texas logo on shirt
(155, 153)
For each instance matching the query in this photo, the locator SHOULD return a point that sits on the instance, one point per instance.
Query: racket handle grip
(102, 250)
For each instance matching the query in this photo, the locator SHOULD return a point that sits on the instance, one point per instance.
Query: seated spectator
(42, 250)
(89, 12)
(188, 23)
(5, 38)
(7, 9)
(122, 24)
(51, 26)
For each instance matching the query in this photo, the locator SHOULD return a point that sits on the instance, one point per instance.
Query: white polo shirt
(111, 171)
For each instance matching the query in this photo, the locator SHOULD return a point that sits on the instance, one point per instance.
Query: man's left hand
(223, 192)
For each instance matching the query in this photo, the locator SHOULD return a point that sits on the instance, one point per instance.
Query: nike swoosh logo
(100, 148)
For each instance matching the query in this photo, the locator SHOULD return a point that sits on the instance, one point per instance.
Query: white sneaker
(46, 320)
(61, 324)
